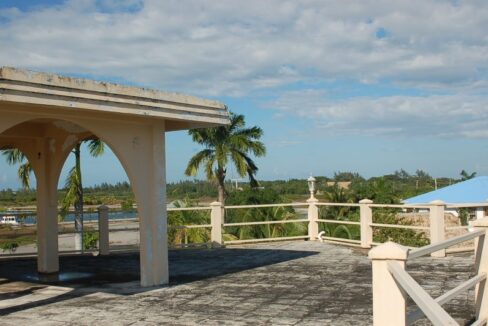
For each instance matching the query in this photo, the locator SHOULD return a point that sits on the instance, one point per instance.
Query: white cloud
(412, 116)
(234, 47)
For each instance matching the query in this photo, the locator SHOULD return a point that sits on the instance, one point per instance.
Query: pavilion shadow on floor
(185, 266)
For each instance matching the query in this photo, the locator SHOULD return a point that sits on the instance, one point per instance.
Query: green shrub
(127, 205)
(405, 237)
(90, 240)
(10, 246)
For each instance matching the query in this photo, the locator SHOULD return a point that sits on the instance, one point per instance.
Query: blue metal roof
(470, 191)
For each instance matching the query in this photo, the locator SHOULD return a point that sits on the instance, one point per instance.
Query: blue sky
(370, 86)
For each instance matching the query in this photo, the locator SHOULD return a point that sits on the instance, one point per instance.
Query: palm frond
(96, 147)
(24, 172)
(71, 185)
(14, 156)
(197, 160)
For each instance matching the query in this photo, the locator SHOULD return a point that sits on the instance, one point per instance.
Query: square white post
(313, 216)
(103, 231)
(47, 209)
(480, 213)
(152, 211)
(481, 265)
(365, 219)
(437, 225)
(216, 220)
(389, 300)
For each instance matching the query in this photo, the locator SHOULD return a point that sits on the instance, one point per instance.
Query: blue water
(30, 217)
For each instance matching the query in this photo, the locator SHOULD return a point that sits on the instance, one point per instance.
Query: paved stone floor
(282, 283)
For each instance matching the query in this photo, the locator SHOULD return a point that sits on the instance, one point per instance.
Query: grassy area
(16, 236)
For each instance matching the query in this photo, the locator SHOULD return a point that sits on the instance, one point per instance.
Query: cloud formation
(235, 47)
(239, 47)
(412, 116)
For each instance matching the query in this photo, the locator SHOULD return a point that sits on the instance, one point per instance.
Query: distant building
(470, 191)
(467, 192)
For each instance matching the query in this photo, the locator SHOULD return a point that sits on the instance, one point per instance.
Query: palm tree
(74, 187)
(223, 144)
(73, 183)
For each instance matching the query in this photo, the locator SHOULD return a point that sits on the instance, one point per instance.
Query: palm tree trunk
(221, 194)
(78, 201)
(221, 181)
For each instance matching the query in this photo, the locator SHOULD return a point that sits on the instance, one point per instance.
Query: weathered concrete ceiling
(49, 93)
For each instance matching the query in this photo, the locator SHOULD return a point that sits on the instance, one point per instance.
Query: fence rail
(391, 282)
(365, 222)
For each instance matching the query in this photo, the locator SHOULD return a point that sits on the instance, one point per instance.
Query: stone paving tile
(283, 283)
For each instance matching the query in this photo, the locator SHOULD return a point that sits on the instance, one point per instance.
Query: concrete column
(437, 225)
(365, 219)
(103, 231)
(313, 216)
(153, 214)
(389, 301)
(217, 220)
(47, 208)
(481, 265)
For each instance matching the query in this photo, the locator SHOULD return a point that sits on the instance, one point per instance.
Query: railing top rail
(196, 208)
(266, 205)
(399, 205)
(466, 205)
(444, 244)
(338, 204)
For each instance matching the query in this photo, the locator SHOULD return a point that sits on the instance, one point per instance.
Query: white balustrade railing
(366, 223)
(392, 283)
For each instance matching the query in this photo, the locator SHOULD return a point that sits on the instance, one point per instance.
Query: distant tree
(466, 176)
(402, 175)
(347, 176)
(224, 144)
(422, 175)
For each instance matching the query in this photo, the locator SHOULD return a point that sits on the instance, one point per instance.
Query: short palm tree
(74, 186)
(232, 143)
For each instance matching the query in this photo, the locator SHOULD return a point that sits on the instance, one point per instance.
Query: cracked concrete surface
(281, 283)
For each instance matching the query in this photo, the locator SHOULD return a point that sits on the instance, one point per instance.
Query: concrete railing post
(313, 216)
(103, 231)
(389, 300)
(480, 213)
(481, 265)
(365, 220)
(217, 219)
(437, 225)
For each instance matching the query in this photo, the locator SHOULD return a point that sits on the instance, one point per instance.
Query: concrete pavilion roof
(44, 92)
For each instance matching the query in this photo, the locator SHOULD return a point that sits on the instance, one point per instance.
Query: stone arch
(131, 120)
(140, 150)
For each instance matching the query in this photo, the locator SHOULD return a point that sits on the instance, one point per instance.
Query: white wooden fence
(435, 227)
(392, 283)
